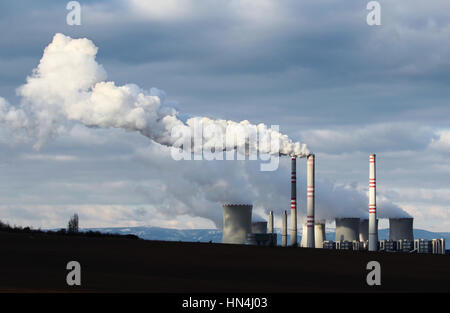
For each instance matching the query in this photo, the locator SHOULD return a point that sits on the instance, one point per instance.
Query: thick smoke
(69, 85)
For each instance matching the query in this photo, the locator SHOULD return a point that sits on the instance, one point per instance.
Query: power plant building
(352, 233)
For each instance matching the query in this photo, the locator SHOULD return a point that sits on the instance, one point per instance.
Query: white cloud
(442, 143)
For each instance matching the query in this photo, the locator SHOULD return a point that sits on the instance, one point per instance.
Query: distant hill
(215, 235)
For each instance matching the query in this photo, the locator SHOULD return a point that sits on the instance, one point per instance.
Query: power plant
(352, 233)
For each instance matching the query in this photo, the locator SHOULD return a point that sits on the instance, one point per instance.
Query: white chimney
(294, 202)
(310, 242)
(284, 229)
(271, 222)
(373, 229)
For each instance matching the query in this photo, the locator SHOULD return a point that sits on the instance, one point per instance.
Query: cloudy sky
(315, 68)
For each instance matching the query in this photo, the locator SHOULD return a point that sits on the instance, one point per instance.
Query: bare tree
(72, 227)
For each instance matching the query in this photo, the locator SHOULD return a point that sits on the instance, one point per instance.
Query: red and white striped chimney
(373, 231)
(310, 242)
(294, 202)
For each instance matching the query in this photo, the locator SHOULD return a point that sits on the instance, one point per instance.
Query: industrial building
(352, 233)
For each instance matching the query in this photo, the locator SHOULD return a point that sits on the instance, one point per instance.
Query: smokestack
(271, 222)
(319, 235)
(259, 227)
(294, 202)
(401, 228)
(284, 229)
(237, 223)
(373, 229)
(310, 242)
(347, 229)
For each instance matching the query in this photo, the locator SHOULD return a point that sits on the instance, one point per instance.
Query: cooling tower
(237, 223)
(310, 202)
(271, 222)
(294, 202)
(319, 235)
(364, 230)
(259, 227)
(373, 228)
(347, 229)
(401, 228)
(284, 229)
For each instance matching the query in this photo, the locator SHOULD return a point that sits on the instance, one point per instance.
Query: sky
(315, 68)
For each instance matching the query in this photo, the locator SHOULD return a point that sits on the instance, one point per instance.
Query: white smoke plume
(69, 85)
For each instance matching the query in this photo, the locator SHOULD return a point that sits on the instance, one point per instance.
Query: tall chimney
(310, 242)
(294, 202)
(271, 222)
(284, 229)
(373, 231)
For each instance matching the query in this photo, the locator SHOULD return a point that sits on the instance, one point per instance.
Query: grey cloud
(318, 66)
(377, 137)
